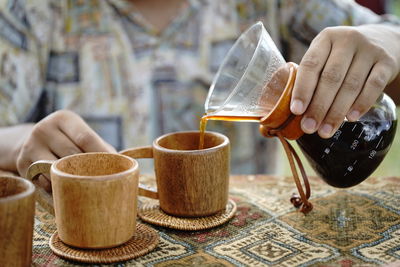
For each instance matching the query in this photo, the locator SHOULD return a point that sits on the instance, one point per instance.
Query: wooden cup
(95, 197)
(190, 182)
(17, 209)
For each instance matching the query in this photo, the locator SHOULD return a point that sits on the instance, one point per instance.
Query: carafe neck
(281, 118)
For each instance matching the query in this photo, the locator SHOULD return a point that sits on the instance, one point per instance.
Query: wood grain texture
(39, 167)
(282, 84)
(17, 208)
(191, 182)
(42, 197)
(95, 198)
(142, 153)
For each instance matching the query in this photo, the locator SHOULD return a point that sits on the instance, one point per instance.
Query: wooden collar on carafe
(298, 200)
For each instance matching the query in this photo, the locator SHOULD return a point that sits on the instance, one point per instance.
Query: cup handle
(37, 168)
(145, 152)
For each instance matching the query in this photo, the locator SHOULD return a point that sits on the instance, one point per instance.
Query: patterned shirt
(131, 83)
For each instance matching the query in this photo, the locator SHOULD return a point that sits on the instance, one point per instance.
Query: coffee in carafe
(356, 149)
(254, 83)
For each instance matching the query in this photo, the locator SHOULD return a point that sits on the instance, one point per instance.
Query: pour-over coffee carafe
(255, 83)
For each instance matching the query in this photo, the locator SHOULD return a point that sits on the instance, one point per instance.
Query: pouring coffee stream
(254, 83)
(275, 124)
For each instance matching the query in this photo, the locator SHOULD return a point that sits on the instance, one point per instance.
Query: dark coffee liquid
(352, 154)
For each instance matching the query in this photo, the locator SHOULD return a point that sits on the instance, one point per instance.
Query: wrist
(13, 139)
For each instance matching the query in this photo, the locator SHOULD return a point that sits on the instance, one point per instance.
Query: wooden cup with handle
(190, 182)
(95, 197)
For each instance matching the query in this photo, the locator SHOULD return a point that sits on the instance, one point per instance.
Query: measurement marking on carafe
(361, 133)
(354, 163)
(379, 142)
(326, 152)
(355, 125)
(350, 168)
(332, 144)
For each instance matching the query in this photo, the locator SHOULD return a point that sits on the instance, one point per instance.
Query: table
(359, 226)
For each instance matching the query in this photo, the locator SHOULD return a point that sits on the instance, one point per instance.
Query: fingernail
(309, 125)
(353, 115)
(326, 130)
(297, 107)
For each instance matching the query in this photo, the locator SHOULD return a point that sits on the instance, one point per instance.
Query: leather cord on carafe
(301, 200)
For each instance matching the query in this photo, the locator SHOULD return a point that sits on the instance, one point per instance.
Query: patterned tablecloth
(348, 227)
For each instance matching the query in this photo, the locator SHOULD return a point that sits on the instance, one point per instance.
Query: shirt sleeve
(24, 41)
(302, 20)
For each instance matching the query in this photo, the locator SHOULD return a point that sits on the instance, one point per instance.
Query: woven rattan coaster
(150, 212)
(144, 240)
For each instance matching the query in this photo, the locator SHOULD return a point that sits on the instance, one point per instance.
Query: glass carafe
(356, 149)
(254, 83)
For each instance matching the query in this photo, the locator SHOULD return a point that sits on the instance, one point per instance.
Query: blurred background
(396, 7)
(382, 6)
